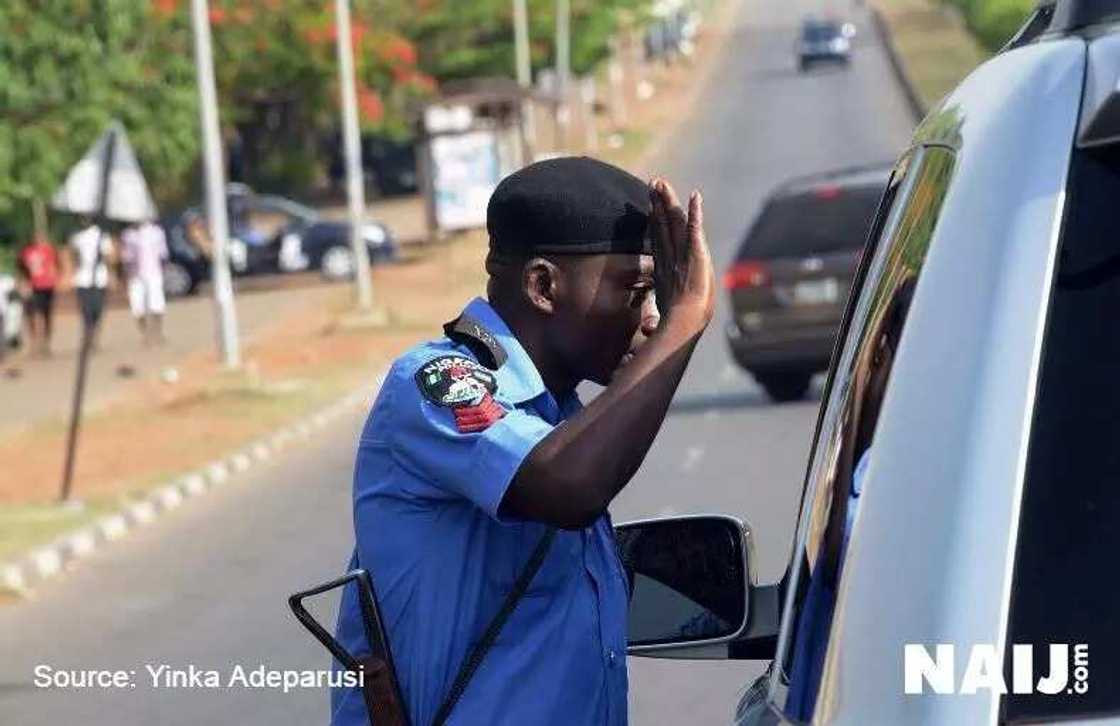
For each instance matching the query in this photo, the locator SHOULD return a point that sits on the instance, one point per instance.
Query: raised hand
(683, 275)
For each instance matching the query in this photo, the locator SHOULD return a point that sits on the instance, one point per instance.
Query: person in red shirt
(38, 263)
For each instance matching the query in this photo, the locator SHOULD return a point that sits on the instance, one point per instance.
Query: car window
(857, 386)
(826, 219)
(816, 33)
(1063, 591)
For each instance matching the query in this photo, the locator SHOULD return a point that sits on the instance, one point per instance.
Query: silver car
(954, 557)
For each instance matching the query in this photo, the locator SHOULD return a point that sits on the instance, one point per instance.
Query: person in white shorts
(92, 254)
(145, 251)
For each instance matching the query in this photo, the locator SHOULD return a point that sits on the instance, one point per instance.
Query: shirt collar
(518, 377)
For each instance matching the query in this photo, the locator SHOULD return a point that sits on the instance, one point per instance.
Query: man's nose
(651, 317)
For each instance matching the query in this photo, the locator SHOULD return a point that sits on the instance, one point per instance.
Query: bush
(993, 22)
(997, 20)
(287, 171)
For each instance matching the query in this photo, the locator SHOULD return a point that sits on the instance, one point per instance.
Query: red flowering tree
(277, 74)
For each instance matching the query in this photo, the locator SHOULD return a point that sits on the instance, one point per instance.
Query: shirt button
(612, 658)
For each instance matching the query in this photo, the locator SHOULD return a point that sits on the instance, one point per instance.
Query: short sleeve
(428, 438)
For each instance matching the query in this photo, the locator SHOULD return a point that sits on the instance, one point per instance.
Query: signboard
(466, 171)
(443, 119)
(127, 198)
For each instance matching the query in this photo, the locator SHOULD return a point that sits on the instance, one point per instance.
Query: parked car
(270, 234)
(954, 554)
(823, 41)
(187, 264)
(790, 278)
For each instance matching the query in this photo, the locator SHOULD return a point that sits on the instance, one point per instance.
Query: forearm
(573, 473)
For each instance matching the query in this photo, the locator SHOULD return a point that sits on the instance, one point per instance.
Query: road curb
(909, 90)
(21, 576)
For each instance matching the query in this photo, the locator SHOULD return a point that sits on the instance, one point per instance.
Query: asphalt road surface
(207, 586)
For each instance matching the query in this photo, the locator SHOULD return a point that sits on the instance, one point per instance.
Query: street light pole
(355, 191)
(224, 312)
(524, 77)
(563, 64)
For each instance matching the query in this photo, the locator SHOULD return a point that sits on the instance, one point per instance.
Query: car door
(871, 333)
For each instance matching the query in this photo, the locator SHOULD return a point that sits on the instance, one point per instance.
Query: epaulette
(467, 331)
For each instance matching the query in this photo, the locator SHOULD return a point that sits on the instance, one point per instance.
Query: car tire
(177, 280)
(337, 263)
(784, 387)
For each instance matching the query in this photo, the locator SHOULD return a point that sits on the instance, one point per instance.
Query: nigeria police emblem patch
(464, 386)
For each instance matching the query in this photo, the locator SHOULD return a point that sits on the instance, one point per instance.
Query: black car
(823, 41)
(187, 265)
(269, 234)
(789, 281)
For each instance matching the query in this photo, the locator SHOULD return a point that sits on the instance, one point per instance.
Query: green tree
(67, 67)
(277, 75)
(994, 22)
(468, 40)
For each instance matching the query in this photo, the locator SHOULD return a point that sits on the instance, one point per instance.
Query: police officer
(477, 447)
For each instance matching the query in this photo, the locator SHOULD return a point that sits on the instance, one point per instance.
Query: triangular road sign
(128, 197)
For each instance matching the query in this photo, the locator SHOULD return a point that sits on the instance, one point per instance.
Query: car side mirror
(689, 580)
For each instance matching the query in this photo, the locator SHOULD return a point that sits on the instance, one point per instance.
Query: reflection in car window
(871, 336)
(1064, 586)
(692, 570)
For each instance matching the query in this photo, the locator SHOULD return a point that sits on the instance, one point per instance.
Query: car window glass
(1063, 591)
(855, 392)
(829, 219)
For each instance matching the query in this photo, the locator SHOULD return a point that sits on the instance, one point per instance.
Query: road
(206, 586)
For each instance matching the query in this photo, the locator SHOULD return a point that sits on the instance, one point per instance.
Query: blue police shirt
(426, 497)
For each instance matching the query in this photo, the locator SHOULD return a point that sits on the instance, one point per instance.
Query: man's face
(606, 312)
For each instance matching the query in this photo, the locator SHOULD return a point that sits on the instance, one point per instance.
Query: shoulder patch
(464, 386)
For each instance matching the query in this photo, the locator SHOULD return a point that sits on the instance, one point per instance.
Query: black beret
(570, 205)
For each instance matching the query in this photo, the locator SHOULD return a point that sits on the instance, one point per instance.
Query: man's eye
(638, 294)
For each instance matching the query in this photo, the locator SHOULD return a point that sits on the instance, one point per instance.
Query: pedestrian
(92, 251)
(144, 250)
(39, 268)
(479, 467)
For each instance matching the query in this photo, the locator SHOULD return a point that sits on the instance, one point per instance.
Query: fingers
(659, 224)
(695, 218)
(677, 220)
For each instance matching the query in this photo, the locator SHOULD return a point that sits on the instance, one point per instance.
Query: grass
(255, 405)
(936, 47)
(634, 143)
(26, 526)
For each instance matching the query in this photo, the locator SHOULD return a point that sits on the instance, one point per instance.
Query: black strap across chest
(482, 647)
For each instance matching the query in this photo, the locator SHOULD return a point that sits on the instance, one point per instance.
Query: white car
(954, 556)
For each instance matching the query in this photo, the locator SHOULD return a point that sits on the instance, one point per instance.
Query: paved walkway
(34, 390)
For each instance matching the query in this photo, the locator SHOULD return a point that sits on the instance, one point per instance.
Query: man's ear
(542, 284)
